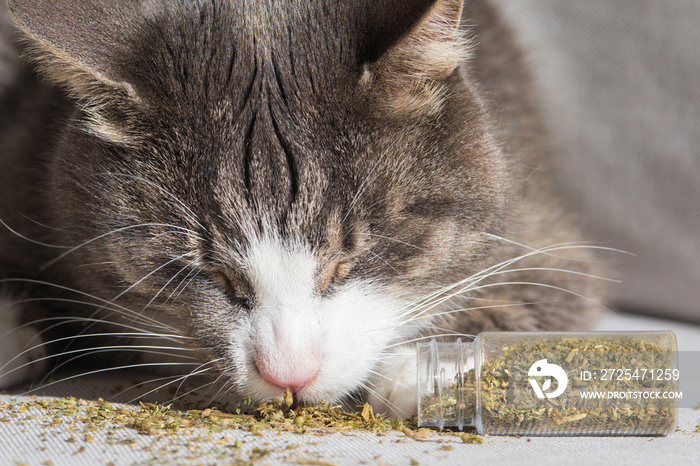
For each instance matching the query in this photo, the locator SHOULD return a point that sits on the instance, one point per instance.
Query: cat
(275, 194)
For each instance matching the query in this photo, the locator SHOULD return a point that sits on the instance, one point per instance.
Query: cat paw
(394, 387)
(21, 349)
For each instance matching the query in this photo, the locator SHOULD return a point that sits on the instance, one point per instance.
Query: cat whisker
(155, 296)
(470, 287)
(100, 371)
(542, 285)
(223, 390)
(523, 283)
(89, 352)
(107, 304)
(572, 245)
(112, 232)
(190, 234)
(93, 264)
(63, 321)
(180, 378)
(362, 187)
(133, 285)
(200, 387)
(201, 269)
(183, 207)
(475, 308)
(193, 272)
(383, 260)
(426, 300)
(142, 279)
(207, 363)
(451, 333)
(73, 338)
(553, 269)
(490, 271)
(350, 400)
(385, 377)
(428, 337)
(135, 386)
(367, 386)
(33, 241)
(43, 225)
(140, 332)
(177, 378)
(75, 319)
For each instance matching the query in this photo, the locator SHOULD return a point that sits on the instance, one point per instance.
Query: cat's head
(280, 180)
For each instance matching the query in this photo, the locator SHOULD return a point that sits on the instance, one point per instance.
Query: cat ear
(78, 44)
(411, 73)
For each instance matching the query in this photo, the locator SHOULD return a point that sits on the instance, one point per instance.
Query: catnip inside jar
(551, 383)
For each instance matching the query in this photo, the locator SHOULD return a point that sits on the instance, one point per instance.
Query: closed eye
(332, 274)
(235, 291)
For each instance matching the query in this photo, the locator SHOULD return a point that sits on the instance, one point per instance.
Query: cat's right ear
(80, 45)
(409, 74)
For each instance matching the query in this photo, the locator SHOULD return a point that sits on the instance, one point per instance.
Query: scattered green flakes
(79, 419)
(311, 461)
(321, 418)
(471, 438)
(259, 452)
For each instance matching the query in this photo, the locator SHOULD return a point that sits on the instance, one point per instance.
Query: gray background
(620, 80)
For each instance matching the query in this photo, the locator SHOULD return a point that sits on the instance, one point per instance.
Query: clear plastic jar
(551, 383)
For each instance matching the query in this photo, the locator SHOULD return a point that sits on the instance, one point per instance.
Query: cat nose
(293, 371)
(295, 382)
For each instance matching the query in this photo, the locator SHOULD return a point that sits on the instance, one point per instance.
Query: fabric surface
(30, 442)
(619, 80)
(30, 435)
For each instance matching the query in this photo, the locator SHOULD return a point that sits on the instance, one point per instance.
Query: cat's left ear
(81, 45)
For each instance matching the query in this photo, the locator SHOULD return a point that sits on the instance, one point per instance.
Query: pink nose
(295, 374)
